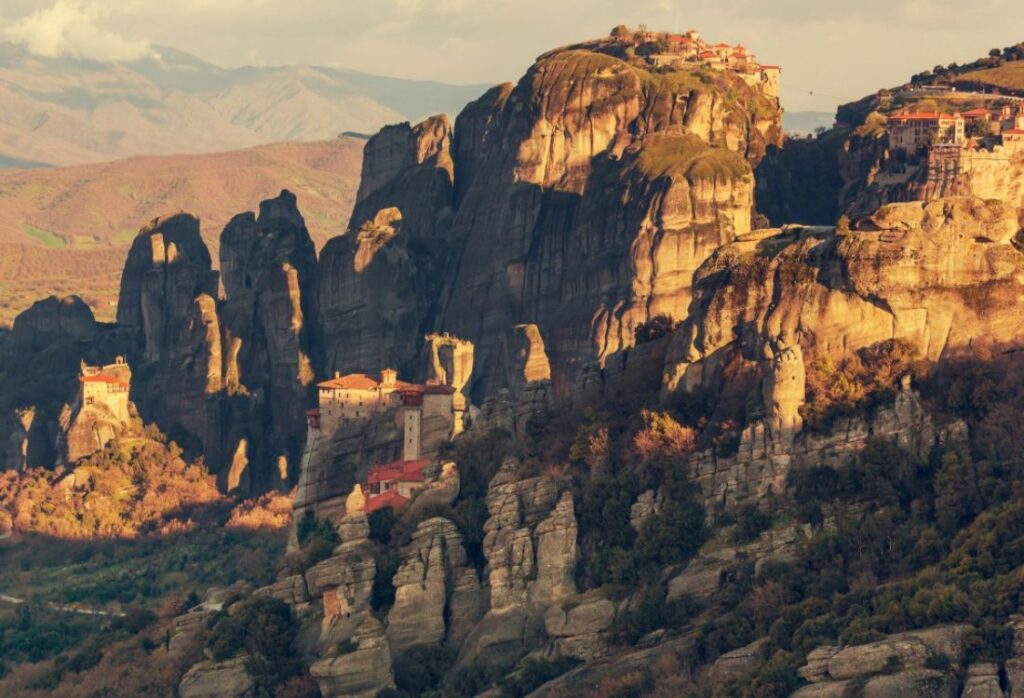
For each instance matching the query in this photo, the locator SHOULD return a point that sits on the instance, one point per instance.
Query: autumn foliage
(130, 487)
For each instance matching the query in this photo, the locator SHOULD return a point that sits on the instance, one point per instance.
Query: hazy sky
(837, 50)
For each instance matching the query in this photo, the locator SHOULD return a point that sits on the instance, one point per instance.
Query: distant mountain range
(62, 111)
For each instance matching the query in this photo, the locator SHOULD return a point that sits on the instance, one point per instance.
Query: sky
(830, 52)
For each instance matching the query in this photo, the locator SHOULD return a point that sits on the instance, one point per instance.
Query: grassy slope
(68, 230)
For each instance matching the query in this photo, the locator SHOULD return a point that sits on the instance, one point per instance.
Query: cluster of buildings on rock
(106, 386)
(689, 49)
(358, 397)
(910, 132)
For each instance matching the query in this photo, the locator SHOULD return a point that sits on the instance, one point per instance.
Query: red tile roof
(1014, 131)
(366, 381)
(979, 111)
(399, 470)
(353, 381)
(387, 499)
(103, 378)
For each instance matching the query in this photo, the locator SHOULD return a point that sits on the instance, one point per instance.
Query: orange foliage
(129, 488)
(271, 510)
(663, 438)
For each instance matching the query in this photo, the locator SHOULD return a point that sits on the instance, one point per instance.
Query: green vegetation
(44, 236)
(265, 629)
(688, 156)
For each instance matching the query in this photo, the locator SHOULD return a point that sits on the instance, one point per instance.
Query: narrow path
(7, 598)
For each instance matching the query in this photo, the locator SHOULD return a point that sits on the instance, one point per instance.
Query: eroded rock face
(268, 263)
(928, 273)
(168, 305)
(53, 321)
(530, 546)
(380, 281)
(765, 458)
(910, 649)
(227, 679)
(360, 673)
(579, 201)
(433, 579)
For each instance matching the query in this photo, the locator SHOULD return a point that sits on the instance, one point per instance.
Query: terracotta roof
(352, 381)
(387, 499)
(103, 378)
(979, 111)
(1014, 131)
(721, 46)
(770, 67)
(315, 412)
(399, 470)
(366, 381)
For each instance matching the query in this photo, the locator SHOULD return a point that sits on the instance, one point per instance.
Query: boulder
(362, 671)
(982, 681)
(227, 679)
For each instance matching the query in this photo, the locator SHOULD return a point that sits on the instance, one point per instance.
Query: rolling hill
(67, 230)
(64, 111)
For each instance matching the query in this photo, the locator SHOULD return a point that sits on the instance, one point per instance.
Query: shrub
(939, 662)
(265, 629)
(657, 327)
(422, 668)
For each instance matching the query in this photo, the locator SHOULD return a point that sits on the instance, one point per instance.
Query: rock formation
(437, 593)
(360, 673)
(379, 282)
(831, 670)
(928, 273)
(580, 201)
(268, 264)
(53, 321)
(99, 413)
(168, 305)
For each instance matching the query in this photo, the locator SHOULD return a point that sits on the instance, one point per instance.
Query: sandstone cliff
(928, 273)
(268, 264)
(580, 200)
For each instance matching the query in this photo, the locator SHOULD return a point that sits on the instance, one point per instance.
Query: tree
(265, 629)
(620, 32)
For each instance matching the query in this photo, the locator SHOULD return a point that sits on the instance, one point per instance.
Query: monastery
(106, 386)
(359, 396)
(689, 49)
(910, 132)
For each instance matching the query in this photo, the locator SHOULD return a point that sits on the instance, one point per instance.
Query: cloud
(70, 28)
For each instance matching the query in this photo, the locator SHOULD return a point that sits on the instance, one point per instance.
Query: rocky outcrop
(738, 663)
(434, 588)
(227, 679)
(380, 281)
(892, 666)
(764, 460)
(167, 304)
(927, 273)
(363, 671)
(705, 574)
(982, 681)
(268, 264)
(53, 321)
(579, 627)
(579, 201)
(530, 546)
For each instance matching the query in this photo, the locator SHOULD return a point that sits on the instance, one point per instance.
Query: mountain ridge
(62, 111)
